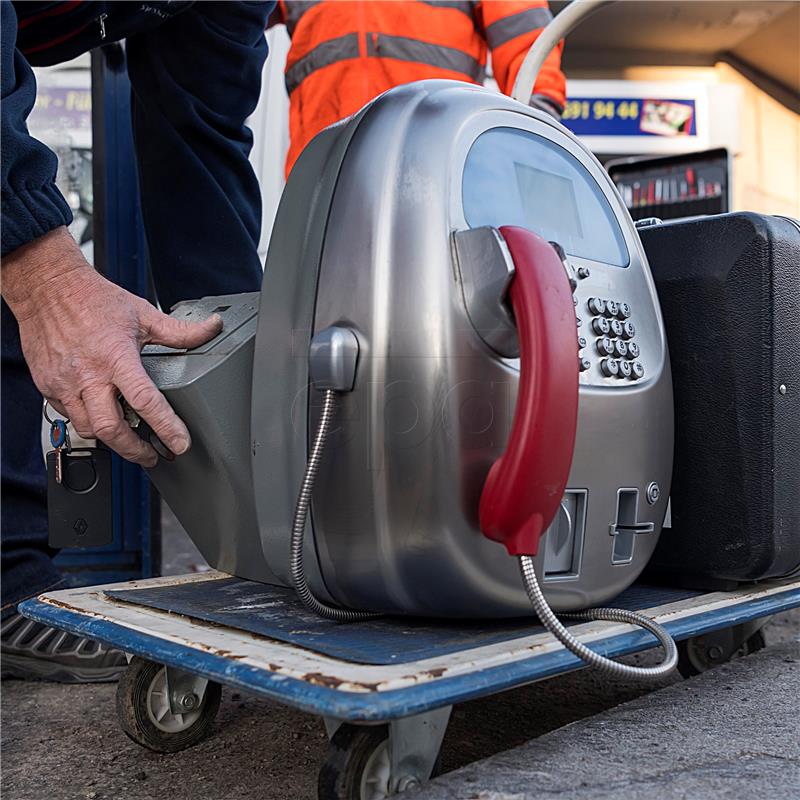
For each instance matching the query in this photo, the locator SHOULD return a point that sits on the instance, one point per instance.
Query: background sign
(627, 118)
(62, 108)
(630, 116)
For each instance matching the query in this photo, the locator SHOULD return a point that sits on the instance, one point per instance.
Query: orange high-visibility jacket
(343, 54)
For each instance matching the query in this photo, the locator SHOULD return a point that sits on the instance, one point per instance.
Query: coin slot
(624, 530)
(563, 540)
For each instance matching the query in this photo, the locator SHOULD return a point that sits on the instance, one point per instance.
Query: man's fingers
(108, 425)
(79, 418)
(145, 399)
(75, 411)
(178, 333)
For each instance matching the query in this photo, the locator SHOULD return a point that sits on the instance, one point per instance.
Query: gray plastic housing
(210, 488)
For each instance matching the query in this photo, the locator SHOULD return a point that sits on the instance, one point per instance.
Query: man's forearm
(43, 268)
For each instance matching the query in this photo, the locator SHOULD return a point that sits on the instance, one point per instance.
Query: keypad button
(637, 369)
(616, 327)
(612, 307)
(625, 369)
(633, 350)
(578, 321)
(629, 330)
(583, 272)
(581, 342)
(584, 364)
(624, 311)
(605, 346)
(597, 306)
(620, 349)
(609, 367)
(601, 326)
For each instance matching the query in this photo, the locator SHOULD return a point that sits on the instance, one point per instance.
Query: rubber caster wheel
(358, 765)
(702, 653)
(144, 714)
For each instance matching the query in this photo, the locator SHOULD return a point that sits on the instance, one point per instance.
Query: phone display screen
(513, 177)
(548, 200)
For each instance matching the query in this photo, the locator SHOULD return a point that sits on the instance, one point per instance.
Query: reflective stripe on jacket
(344, 53)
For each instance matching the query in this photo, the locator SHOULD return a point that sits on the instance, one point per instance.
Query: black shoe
(33, 651)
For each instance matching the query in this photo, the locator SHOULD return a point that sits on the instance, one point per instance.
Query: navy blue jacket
(195, 71)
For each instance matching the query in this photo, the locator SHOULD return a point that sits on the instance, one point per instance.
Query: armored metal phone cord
(548, 618)
(299, 525)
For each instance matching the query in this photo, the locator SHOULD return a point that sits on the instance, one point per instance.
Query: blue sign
(630, 116)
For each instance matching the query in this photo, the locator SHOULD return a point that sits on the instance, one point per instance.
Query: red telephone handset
(524, 487)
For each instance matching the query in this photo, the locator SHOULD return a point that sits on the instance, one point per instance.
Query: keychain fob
(79, 500)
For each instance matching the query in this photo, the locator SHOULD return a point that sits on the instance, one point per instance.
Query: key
(80, 510)
(59, 438)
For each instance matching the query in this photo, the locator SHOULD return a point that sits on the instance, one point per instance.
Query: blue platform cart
(383, 687)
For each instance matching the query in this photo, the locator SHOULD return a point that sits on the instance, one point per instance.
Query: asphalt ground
(732, 732)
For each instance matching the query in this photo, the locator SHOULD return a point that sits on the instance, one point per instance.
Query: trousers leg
(195, 80)
(27, 565)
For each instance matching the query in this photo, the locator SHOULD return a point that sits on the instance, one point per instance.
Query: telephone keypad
(629, 330)
(605, 346)
(597, 305)
(615, 345)
(610, 367)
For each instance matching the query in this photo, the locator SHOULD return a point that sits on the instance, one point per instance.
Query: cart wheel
(358, 765)
(702, 653)
(144, 713)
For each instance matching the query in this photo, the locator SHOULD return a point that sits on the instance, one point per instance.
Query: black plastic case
(729, 287)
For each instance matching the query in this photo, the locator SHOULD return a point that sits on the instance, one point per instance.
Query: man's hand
(82, 336)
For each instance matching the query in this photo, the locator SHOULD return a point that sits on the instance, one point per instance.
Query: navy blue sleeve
(32, 205)
(195, 79)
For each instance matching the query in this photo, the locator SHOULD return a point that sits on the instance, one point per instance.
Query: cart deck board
(320, 683)
(275, 612)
